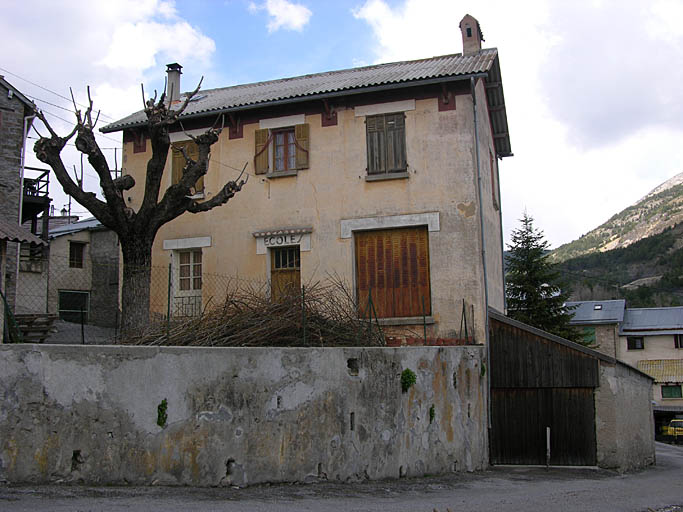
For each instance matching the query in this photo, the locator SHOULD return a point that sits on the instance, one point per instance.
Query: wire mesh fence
(76, 300)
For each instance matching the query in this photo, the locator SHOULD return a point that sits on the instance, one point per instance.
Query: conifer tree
(533, 284)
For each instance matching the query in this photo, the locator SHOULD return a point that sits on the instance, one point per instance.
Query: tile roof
(327, 84)
(11, 232)
(653, 321)
(597, 312)
(663, 370)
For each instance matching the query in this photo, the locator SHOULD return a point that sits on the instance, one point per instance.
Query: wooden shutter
(261, 151)
(178, 163)
(376, 144)
(396, 142)
(302, 136)
(393, 267)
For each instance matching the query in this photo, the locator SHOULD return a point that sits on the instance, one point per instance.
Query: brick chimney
(173, 72)
(471, 35)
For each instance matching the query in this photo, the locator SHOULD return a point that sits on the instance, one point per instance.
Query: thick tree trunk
(135, 291)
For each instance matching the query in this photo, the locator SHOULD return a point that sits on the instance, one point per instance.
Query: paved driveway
(500, 489)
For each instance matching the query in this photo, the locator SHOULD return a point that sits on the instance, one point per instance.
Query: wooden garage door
(520, 417)
(392, 266)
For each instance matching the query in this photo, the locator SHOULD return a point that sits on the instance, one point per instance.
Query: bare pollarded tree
(137, 229)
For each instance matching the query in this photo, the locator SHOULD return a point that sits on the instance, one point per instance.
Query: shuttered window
(392, 267)
(386, 143)
(281, 150)
(178, 162)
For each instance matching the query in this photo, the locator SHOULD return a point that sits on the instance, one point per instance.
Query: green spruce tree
(533, 284)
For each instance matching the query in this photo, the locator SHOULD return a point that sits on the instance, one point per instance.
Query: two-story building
(385, 176)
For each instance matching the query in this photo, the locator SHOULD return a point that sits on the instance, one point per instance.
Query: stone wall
(238, 416)
(624, 422)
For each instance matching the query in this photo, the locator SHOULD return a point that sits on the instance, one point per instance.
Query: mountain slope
(646, 273)
(660, 209)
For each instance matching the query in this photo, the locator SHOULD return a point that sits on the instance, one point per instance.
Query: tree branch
(227, 192)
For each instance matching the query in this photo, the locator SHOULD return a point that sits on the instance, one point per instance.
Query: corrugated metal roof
(75, 227)
(13, 232)
(663, 370)
(597, 311)
(240, 96)
(652, 319)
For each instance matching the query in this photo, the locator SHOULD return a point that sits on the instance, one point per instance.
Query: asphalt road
(499, 489)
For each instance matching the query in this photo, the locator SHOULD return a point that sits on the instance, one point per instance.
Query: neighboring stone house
(84, 273)
(650, 339)
(384, 175)
(20, 195)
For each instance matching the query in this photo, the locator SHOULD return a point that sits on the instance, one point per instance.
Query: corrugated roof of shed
(663, 370)
(11, 232)
(75, 227)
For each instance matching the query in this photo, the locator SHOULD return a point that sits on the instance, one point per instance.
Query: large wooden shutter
(178, 162)
(302, 136)
(396, 142)
(261, 151)
(376, 144)
(392, 266)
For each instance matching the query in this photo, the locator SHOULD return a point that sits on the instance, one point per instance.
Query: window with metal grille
(190, 270)
(386, 143)
(76, 252)
(672, 391)
(285, 272)
(635, 343)
(392, 272)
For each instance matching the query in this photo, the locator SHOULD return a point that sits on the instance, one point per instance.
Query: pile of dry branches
(318, 315)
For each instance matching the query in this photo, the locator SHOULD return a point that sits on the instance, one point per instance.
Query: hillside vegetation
(659, 210)
(646, 273)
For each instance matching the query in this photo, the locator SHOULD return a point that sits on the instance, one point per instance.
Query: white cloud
(111, 46)
(283, 14)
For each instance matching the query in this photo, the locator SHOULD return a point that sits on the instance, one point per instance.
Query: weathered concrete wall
(237, 415)
(624, 421)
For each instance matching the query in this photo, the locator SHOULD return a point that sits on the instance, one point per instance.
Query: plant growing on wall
(136, 229)
(162, 415)
(408, 378)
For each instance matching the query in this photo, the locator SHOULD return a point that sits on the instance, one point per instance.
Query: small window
(282, 150)
(178, 162)
(76, 251)
(31, 258)
(386, 143)
(678, 340)
(190, 270)
(74, 305)
(672, 391)
(597, 307)
(635, 343)
(285, 272)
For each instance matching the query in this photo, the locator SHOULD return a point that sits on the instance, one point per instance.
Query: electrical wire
(47, 90)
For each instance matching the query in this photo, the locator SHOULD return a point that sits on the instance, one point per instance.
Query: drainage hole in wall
(229, 467)
(76, 460)
(469, 409)
(353, 366)
(455, 380)
(352, 421)
(279, 402)
(320, 469)
(402, 472)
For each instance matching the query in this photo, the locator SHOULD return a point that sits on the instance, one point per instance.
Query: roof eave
(320, 96)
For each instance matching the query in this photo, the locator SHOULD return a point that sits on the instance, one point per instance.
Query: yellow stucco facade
(333, 198)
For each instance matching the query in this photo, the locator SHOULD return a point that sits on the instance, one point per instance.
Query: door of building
(285, 272)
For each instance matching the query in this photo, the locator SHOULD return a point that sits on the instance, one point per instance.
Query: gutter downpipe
(27, 121)
(483, 254)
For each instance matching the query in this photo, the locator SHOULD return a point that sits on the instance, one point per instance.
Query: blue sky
(592, 87)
